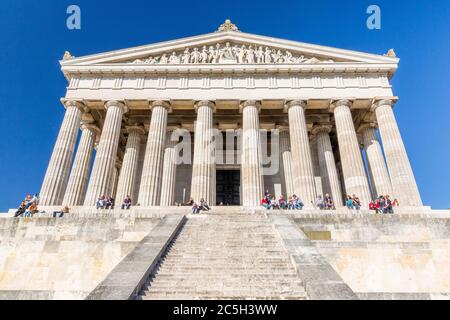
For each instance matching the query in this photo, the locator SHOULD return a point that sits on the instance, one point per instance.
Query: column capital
(77, 104)
(341, 102)
(115, 103)
(326, 128)
(366, 125)
(161, 103)
(138, 129)
(91, 127)
(205, 103)
(383, 101)
(250, 103)
(295, 103)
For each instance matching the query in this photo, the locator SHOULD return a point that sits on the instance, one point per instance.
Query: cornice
(319, 68)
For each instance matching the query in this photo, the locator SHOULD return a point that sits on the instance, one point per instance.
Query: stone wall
(385, 257)
(65, 258)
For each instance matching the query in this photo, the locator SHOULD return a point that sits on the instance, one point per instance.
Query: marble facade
(324, 105)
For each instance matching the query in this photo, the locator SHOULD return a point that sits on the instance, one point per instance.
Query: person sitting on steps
(21, 210)
(61, 213)
(204, 205)
(126, 203)
(32, 210)
(101, 202)
(195, 208)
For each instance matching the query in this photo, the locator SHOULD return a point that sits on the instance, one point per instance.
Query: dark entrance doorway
(228, 184)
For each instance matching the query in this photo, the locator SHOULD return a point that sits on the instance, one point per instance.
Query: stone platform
(230, 252)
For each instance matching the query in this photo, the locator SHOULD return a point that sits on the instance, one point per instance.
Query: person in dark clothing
(204, 205)
(21, 210)
(62, 212)
(126, 203)
(110, 203)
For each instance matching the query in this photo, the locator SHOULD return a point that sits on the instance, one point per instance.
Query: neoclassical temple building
(294, 118)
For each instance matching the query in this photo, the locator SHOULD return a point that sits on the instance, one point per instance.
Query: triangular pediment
(228, 47)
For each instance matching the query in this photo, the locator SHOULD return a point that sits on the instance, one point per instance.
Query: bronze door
(228, 184)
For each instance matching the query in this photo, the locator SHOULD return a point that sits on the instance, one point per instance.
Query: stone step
(287, 275)
(226, 284)
(226, 256)
(211, 296)
(257, 291)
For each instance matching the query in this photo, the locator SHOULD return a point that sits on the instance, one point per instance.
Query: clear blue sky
(33, 37)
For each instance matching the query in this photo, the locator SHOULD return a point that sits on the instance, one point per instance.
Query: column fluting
(304, 184)
(327, 163)
(169, 172)
(286, 159)
(204, 165)
(105, 159)
(79, 176)
(377, 165)
(321, 188)
(353, 170)
(402, 177)
(58, 170)
(150, 193)
(251, 168)
(127, 177)
(140, 166)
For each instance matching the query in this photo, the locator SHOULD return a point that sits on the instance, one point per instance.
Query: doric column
(286, 158)
(127, 177)
(76, 187)
(169, 171)
(304, 185)
(355, 179)
(58, 170)
(149, 193)
(251, 169)
(204, 166)
(327, 163)
(402, 177)
(105, 159)
(377, 165)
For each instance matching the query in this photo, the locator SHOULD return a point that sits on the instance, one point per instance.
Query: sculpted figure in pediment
(275, 56)
(240, 54)
(226, 54)
(151, 60)
(217, 54)
(186, 56)
(204, 55)
(288, 57)
(267, 56)
(211, 54)
(250, 55)
(174, 59)
(259, 54)
(164, 59)
(195, 56)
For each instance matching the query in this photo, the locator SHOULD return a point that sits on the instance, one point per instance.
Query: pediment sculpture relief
(231, 54)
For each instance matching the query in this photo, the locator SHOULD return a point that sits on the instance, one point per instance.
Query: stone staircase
(226, 256)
